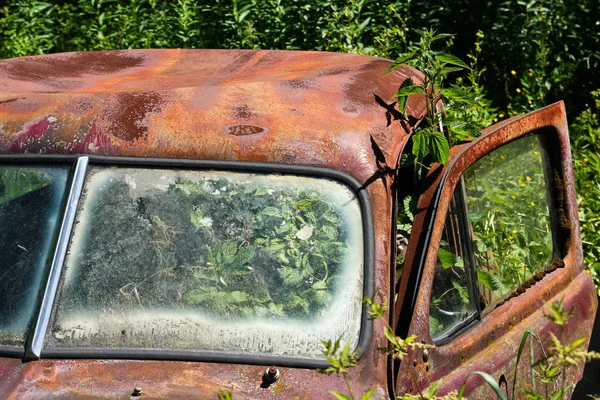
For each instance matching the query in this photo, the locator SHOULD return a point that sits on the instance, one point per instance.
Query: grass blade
(488, 379)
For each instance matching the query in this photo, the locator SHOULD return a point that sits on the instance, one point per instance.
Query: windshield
(208, 260)
(31, 199)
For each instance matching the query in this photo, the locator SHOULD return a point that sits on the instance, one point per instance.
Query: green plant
(429, 140)
(549, 369)
(220, 246)
(224, 395)
(341, 360)
(552, 366)
(585, 136)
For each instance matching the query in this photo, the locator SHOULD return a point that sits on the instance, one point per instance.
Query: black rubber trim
(12, 352)
(458, 329)
(235, 166)
(183, 355)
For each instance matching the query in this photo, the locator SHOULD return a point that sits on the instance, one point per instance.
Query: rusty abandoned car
(179, 221)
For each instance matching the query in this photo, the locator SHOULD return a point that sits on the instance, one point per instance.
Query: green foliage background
(525, 54)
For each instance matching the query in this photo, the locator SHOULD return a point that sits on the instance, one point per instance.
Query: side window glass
(453, 301)
(508, 210)
(497, 235)
(31, 199)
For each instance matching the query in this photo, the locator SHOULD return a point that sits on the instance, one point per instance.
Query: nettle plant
(431, 143)
(557, 358)
(432, 140)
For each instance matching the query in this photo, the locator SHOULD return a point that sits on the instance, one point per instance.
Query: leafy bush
(585, 135)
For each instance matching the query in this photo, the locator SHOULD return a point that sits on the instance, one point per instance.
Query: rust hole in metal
(244, 130)
(270, 376)
(244, 112)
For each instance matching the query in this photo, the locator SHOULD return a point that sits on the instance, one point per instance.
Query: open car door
(495, 240)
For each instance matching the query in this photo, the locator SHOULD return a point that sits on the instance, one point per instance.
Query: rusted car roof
(303, 108)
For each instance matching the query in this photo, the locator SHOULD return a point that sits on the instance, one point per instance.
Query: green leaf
(449, 70)
(340, 396)
(447, 258)
(402, 59)
(402, 100)
(533, 396)
(441, 36)
(420, 145)
(244, 256)
(459, 263)
(271, 211)
(488, 280)
(488, 379)
(440, 149)
(526, 334)
(367, 395)
(238, 297)
(450, 59)
(462, 292)
(458, 95)
(197, 296)
(304, 204)
(408, 90)
(228, 251)
(460, 128)
(224, 395)
(330, 231)
(319, 285)
(433, 388)
(364, 24)
(345, 352)
(575, 344)
(391, 336)
(560, 394)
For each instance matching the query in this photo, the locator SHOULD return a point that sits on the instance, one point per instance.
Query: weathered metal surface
(318, 109)
(303, 108)
(490, 346)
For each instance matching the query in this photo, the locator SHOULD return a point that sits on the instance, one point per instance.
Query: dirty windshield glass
(30, 203)
(207, 260)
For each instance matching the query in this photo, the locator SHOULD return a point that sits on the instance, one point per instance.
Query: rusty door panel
(490, 345)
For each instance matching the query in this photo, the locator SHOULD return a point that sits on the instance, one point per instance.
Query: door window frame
(412, 312)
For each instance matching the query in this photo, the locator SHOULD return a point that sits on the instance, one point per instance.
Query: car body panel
(296, 108)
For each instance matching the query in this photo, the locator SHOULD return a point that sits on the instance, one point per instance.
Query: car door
(495, 239)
